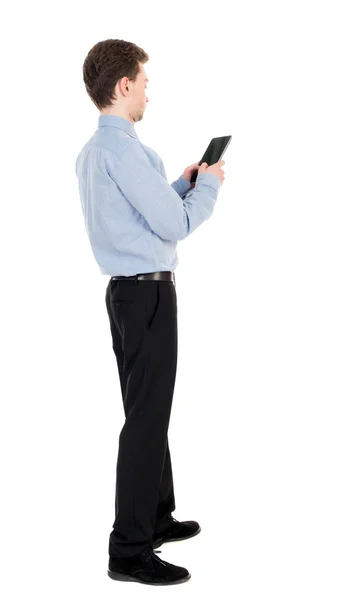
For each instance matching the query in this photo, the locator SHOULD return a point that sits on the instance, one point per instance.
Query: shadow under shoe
(146, 567)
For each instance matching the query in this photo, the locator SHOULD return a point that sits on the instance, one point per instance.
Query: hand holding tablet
(215, 169)
(213, 155)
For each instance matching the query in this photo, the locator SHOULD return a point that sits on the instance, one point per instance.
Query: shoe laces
(173, 520)
(152, 552)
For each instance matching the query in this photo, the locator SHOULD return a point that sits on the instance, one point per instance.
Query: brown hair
(105, 64)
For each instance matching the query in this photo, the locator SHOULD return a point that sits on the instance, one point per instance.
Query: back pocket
(124, 292)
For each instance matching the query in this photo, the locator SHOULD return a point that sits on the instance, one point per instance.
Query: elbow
(172, 230)
(176, 234)
(175, 231)
(172, 235)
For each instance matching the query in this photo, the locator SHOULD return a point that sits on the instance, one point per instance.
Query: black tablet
(214, 152)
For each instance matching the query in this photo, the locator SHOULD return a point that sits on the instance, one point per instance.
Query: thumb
(204, 166)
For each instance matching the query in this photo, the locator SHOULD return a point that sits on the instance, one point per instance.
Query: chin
(139, 116)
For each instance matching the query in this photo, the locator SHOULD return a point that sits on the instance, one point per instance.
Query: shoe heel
(119, 576)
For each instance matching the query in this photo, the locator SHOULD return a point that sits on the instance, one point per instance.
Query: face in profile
(140, 97)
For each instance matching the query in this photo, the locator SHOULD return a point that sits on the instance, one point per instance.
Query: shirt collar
(119, 122)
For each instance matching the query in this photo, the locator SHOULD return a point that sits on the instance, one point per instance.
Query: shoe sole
(124, 577)
(187, 537)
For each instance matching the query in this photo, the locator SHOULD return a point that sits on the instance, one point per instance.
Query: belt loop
(135, 279)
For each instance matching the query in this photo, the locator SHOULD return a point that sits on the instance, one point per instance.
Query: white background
(260, 425)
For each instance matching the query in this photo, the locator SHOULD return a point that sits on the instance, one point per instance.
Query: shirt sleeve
(181, 186)
(170, 217)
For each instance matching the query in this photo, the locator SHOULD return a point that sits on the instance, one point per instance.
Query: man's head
(115, 78)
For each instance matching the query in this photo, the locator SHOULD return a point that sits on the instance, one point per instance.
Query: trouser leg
(166, 501)
(144, 318)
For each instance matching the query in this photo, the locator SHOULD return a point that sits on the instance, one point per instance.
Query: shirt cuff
(181, 185)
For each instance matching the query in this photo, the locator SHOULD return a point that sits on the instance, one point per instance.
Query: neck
(118, 113)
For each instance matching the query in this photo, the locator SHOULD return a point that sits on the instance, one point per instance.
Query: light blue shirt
(133, 216)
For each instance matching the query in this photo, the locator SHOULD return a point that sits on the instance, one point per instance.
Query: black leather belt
(156, 276)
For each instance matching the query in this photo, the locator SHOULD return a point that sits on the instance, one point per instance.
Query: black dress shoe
(176, 531)
(146, 567)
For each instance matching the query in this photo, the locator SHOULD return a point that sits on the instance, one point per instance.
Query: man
(134, 220)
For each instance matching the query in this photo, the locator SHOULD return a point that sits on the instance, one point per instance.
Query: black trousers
(143, 323)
